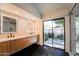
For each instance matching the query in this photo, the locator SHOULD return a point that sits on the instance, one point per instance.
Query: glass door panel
(48, 33)
(54, 33)
(58, 31)
(77, 34)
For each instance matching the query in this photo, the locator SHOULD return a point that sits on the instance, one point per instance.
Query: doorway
(54, 33)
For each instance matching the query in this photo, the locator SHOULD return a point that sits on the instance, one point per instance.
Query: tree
(61, 21)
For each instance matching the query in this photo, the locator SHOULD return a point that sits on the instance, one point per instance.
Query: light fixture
(16, 12)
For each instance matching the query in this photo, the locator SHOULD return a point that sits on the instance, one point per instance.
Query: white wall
(67, 34)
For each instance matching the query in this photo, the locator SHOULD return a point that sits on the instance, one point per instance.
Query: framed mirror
(9, 24)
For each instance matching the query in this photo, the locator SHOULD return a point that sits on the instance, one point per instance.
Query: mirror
(9, 24)
(31, 27)
(0, 24)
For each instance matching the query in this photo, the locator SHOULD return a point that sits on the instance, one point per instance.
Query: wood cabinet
(4, 48)
(10, 47)
(13, 46)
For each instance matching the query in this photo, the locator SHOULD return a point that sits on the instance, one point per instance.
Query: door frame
(64, 30)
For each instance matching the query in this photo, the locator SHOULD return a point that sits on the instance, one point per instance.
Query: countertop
(15, 38)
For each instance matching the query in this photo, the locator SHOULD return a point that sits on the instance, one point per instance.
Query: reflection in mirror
(9, 24)
(0, 24)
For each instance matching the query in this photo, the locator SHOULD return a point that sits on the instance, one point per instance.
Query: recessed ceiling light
(16, 12)
(27, 16)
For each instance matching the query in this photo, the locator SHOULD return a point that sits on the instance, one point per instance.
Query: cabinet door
(13, 46)
(4, 48)
(17, 45)
(26, 42)
(22, 43)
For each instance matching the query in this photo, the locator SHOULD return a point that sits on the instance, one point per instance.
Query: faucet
(10, 35)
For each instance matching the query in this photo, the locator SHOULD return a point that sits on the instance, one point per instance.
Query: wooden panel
(22, 43)
(5, 48)
(17, 45)
(13, 46)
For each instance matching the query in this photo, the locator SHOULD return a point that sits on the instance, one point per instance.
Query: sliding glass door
(48, 33)
(77, 34)
(54, 33)
(76, 12)
(58, 31)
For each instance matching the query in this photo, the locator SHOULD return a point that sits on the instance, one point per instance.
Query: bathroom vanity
(9, 46)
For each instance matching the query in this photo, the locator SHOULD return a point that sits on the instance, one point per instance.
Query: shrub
(61, 36)
(51, 35)
(48, 35)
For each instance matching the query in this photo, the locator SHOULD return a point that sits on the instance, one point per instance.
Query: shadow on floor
(38, 50)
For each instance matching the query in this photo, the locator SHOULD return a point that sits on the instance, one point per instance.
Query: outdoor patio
(55, 43)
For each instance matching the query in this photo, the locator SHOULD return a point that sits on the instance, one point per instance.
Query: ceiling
(45, 10)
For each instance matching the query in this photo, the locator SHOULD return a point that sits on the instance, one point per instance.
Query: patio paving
(56, 43)
(77, 46)
(59, 43)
